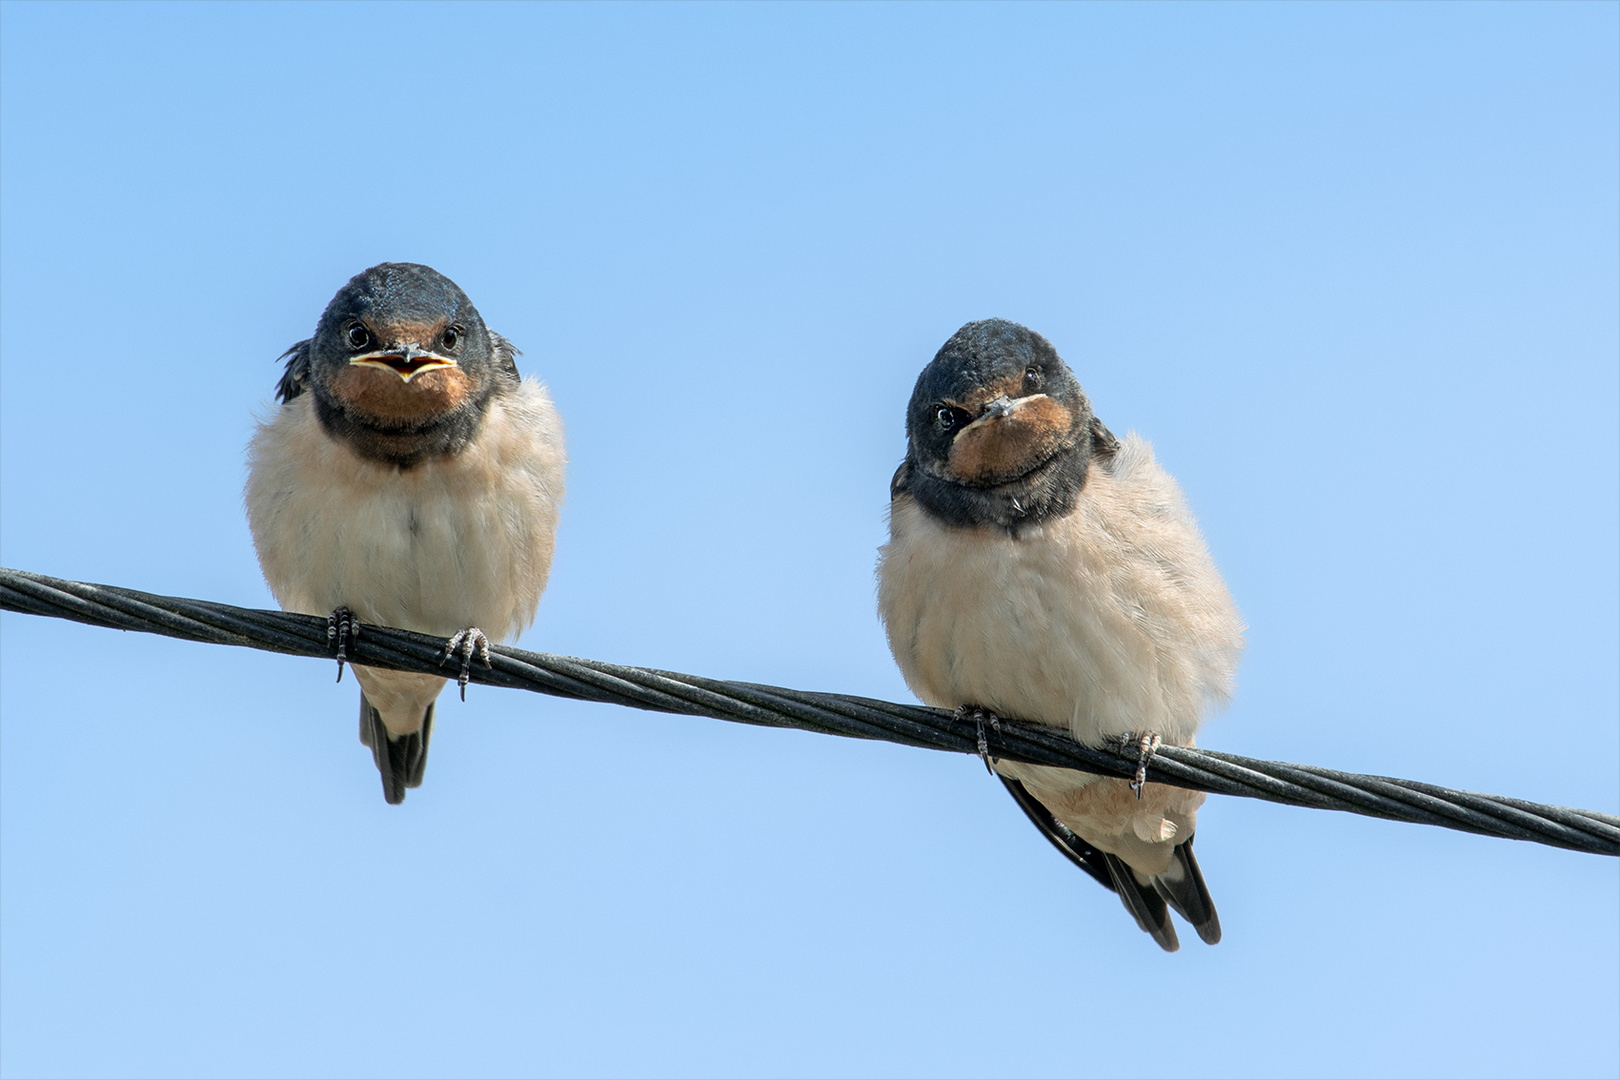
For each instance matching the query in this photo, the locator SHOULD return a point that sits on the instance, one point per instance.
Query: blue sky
(1352, 269)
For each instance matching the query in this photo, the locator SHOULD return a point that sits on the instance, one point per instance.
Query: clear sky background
(1352, 269)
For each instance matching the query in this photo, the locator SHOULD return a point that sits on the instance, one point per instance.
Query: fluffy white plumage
(453, 542)
(1112, 619)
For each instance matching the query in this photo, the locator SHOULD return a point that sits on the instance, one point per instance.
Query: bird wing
(1062, 837)
(296, 377)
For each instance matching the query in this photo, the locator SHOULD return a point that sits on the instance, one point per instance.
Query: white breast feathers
(1110, 620)
(449, 543)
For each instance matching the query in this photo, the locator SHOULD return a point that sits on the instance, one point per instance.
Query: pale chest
(444, 545)
(1035, 628)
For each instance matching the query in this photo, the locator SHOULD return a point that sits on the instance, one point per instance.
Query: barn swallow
(1040, 569)
(410, 478)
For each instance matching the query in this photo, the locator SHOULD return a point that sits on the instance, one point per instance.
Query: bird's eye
(1032, 376)
(357, 336)
(452, 336)
(946, 418)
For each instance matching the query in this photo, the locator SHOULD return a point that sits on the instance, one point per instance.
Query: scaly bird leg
(341, 628)
(980, 718)
(466, 641)
(1144, 745)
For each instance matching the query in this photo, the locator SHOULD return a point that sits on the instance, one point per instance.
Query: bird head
(402, 365)
(998, 429)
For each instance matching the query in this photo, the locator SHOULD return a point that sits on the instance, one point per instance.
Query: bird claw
(980, 718)
(341, 628)
(1145, 746)
(466, 641)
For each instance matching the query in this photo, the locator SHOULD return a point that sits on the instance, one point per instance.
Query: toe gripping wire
(828, 714)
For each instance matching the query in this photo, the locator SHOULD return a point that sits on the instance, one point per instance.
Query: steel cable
(830, 714)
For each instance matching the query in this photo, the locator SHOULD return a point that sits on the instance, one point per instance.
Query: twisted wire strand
(829, 714)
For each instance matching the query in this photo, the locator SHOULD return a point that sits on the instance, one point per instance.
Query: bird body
(1111, 619)
(1043, 570)
(455, 541)
(1080, 623)
(410, 478)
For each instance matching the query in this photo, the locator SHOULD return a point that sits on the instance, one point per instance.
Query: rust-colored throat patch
(1003, 445)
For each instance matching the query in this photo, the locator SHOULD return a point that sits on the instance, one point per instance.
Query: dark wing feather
(296, 378)
(1180, 888)
(506, 355)
(1062, 837)
(1103, 442)
(901, 484)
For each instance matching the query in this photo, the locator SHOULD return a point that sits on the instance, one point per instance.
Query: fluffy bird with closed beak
(1040, 569)
(410, 478)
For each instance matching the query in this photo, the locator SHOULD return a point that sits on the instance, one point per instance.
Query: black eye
(452, 337)
(946, 418)
(1033, 377)
(357, 336)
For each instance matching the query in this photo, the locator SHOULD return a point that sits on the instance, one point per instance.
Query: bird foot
(466, 641)
(1144, 745)
(980, 718)
(341, 628)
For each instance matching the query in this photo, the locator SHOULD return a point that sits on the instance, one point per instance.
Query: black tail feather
(1182, 886)
(1145, 905)
(400, 759)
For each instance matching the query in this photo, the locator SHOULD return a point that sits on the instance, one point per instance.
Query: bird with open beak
(1040, 569)
(410, 478)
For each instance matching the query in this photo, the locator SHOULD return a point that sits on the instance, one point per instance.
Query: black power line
(830, 714)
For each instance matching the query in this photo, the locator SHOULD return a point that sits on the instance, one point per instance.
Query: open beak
(407, 363)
